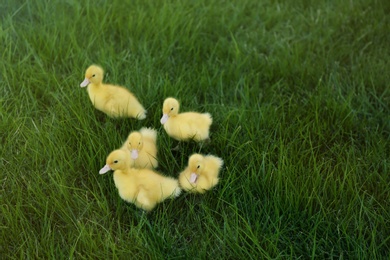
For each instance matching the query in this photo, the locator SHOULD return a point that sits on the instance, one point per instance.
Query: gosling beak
(164, 118)
(134, 154)
(85, 83)
(193, 177)
(105, 169)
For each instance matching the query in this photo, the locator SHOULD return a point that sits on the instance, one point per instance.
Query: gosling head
(196, 166)
(116, 160)
(170, 108)
(135, 144)
(94, 74)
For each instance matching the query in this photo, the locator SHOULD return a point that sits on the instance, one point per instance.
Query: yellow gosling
(185, 126)
(142, 187)
(115, 101)
(142, 146)
(201, 173)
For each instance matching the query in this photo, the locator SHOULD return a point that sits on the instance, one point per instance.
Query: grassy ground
(299, 92)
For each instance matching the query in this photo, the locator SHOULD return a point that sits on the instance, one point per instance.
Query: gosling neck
(96, 85)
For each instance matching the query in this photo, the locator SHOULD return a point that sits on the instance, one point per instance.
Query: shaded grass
(300, 101)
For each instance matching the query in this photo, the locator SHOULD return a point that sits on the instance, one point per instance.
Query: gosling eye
(139, 143)
(93, 75)
(198, 167)
(116, 161)
(171, 108)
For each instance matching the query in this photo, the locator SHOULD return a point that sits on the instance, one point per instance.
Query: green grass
(299, 93)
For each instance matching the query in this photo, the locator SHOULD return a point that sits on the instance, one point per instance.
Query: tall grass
(300, 98)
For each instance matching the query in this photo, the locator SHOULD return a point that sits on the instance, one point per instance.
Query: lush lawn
(299, 93)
